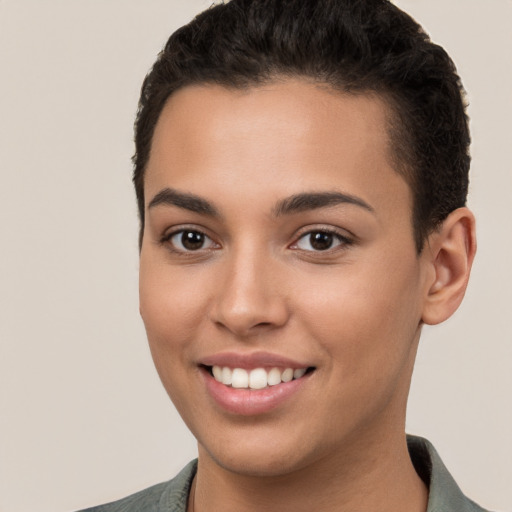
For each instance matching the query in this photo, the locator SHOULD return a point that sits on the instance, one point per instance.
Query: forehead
(291, 131)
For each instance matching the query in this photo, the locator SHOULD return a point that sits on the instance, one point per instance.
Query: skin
(353, 312)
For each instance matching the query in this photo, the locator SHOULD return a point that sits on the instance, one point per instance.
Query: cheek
(170, 300)
(169, 313)
(367, 330)
(363, 314)
(171, 308)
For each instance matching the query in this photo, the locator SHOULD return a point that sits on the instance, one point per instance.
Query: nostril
(263, 324)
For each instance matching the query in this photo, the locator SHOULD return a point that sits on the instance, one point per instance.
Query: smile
(257, 378)
(255, 383)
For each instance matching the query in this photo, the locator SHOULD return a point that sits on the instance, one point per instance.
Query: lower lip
(248, 402)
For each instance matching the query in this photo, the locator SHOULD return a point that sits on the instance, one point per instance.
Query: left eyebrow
(313, 200)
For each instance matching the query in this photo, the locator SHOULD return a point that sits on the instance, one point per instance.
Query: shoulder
(168, 496)
(444, 493)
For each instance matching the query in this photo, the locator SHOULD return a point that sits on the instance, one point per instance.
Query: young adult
(301, 172)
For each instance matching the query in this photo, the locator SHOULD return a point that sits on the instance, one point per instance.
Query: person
(301, 173)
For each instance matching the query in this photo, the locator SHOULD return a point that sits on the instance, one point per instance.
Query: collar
(444, 493)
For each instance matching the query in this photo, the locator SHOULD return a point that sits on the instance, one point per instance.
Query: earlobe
(451, 250)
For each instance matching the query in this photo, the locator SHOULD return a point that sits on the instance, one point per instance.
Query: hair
(353, 46)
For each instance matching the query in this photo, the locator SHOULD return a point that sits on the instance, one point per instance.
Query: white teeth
(274, 377)
(227, 375)
(287, 375)
(298, 373)
(240, 378)
(217, 373)
(258, 378)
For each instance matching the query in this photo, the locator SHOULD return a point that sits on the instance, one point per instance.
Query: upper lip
(253, 360)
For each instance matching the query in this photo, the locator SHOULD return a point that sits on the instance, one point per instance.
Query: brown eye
(188, 240)
(316, 241)
(321, 241)
(192, 240)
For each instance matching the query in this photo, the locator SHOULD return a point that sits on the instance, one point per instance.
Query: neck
(369, 476)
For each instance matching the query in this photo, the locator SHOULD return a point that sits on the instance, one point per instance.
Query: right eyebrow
(190, 202)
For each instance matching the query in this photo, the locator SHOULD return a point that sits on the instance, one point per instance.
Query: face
(279, 245)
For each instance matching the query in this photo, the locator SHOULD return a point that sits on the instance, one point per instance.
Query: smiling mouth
(257, 378)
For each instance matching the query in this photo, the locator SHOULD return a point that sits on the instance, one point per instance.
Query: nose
(250, 298)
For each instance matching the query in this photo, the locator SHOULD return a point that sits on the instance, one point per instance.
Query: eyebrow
(191, 202)
(290, 205)
(313, 200)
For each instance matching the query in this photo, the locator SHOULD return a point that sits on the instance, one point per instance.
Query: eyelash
(167, 240)
(344, 242)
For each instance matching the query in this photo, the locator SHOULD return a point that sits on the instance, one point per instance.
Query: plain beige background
(83, 417)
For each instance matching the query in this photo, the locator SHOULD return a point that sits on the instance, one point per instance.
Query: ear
(450, 253)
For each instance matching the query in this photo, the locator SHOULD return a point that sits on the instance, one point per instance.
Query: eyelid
(165, 239)
(346, 239)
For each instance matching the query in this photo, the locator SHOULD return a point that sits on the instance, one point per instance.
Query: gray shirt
(444, 494)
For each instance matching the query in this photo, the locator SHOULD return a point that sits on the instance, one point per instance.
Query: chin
(263, 455)
(262, 465)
